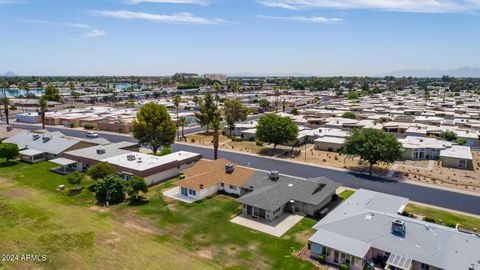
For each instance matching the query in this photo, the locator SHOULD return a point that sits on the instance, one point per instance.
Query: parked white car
(92, 134)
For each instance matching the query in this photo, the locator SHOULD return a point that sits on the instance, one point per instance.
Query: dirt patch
(205, 253)
(4, 181)
(20, 192)
(140, 225)
(231, 250)
(109, 238)
(99, 209)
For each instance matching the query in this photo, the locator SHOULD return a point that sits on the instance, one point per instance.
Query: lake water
(19, 92)
(124, 86)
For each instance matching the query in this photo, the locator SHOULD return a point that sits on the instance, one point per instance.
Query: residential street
(427, 195)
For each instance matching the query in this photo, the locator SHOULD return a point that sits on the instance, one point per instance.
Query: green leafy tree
(461, 141)
(154, 127)
(234, 112)
(373, 145)
(5, 102)
(349, 115)
(110, 190)
(276, 129)
(136, 185)
(216, 127)
(352, 95)
(294, 111)
(264, 104)
(51, 93)
(208, 111)
(43, 104)
(448, 135)
(75, 179)
(8, 151)
(101, 170)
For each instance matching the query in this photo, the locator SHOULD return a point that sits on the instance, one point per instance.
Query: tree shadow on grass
(141, 201)
(7, 164)
(75, 191)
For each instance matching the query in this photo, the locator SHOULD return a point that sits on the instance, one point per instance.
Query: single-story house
(419, 148)
(367, 230)
(35, 147)
(128, 162)
(263, 195)
(457, 157)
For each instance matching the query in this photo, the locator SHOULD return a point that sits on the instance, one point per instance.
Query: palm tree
(216, 125)
(277, 94)
(5, 102)
(43, 104)
(176, 102)
(183, 123)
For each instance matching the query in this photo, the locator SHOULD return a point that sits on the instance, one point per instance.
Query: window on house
(425, 266)
(462, 163)
(233, 187)
(221, 184)
(325, 251)
(192, 192)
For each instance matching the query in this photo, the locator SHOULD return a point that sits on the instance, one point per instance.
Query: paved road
(441, 198)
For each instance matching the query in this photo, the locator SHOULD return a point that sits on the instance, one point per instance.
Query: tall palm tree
(176, 102)
(5, 102)
(43, 104)
(183, 123)
(216, 125)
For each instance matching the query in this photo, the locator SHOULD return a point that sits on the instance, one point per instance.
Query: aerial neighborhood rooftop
(253, 173)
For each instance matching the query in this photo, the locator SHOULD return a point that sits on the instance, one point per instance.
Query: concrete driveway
(277, 227)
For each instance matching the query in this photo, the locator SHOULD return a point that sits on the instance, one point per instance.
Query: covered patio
(32, 155)
(66, 165)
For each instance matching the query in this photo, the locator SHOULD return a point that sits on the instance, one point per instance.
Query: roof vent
(229, 168)
(274, 175)
(398, 227)
(36, 137)
(101, 151)
(45, 139)
(130, 157)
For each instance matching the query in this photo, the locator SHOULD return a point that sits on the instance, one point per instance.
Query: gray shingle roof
(366, 217)
(54, 142)
(270, 195)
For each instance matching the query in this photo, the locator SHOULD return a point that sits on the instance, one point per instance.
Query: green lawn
(443, 217)
(156, 234)
(346, 194)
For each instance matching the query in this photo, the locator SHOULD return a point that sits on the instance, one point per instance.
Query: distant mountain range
(459, 72)
(8, 74)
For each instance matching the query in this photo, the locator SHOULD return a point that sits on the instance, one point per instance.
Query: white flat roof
(144, 162)
(457, 151)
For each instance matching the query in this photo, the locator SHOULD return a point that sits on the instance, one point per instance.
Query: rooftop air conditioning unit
(36, 137)
(101, 151)
(274, 175)
(130, 157)
(398, 227)
(229, 168)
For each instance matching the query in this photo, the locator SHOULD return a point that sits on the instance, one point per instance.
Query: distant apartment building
(216, 77)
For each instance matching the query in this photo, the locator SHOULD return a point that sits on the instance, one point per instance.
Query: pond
(19, 92)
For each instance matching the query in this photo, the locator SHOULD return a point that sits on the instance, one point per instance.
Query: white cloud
(314, 19)
(92, 33)
(182, 17)
(420, 6)
(193, 2)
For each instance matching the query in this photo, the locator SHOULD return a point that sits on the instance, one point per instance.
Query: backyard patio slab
(174, 193)
(277, 227)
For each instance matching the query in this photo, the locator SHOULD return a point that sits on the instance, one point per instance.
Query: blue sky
(161, 37)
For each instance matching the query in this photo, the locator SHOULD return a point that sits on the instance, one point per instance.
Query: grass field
(444, 217)
(155, 234)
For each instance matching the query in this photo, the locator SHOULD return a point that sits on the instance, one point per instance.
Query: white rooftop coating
(457, 151)
(142, 162)
(412, 142)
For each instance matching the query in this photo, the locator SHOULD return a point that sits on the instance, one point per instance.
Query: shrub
(165, 151)
(237, 139)
(72, 125)
(349, 115)
(13, 107)
(110, 190)
(75, 179)
(259, 143)
(321, 258)
(88, 126)
(344, 266)
(192, 140)
(8, 151)
(100, 170)
(429, 219)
